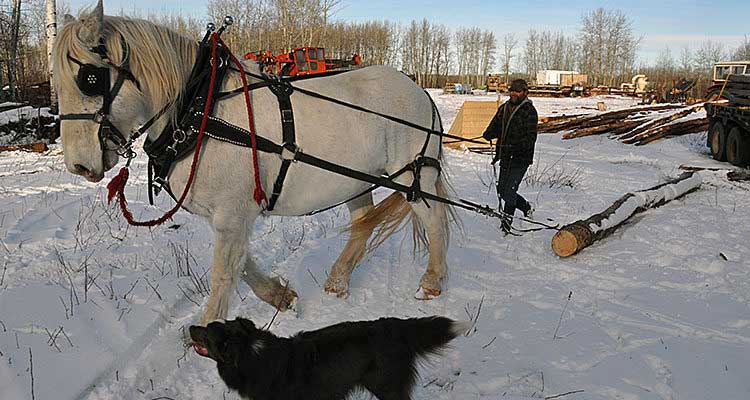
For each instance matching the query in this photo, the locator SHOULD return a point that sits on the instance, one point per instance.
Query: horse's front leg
(230, 253)
(272, 291)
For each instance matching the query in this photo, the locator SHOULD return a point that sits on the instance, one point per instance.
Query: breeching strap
(116, 187)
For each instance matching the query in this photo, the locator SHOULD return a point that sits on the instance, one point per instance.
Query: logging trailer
(729, 123)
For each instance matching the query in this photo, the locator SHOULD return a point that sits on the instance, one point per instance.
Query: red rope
(259, 195)
(117, 185)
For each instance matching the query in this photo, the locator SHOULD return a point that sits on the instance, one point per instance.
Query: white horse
(161, 61)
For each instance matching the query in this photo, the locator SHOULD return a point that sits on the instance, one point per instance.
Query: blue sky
(661, 22)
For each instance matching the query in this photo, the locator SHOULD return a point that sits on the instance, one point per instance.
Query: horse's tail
(387, 218)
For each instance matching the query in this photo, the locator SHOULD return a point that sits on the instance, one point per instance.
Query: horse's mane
(160, 58)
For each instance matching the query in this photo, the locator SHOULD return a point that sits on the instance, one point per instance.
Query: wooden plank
(471, 121)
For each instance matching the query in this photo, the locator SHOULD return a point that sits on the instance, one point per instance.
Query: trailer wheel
(738, 148)
(717, 141)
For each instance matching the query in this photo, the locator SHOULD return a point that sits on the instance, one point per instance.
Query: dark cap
(519, 85)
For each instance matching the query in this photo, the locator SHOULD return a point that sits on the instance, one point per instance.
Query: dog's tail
(431, 334)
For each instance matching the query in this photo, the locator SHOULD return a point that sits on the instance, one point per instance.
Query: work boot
(506, 225)
(527, 209)
(508, 211)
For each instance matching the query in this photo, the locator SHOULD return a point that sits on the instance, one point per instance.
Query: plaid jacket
(515, 131)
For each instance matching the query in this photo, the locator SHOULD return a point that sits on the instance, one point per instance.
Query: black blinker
(92, 80)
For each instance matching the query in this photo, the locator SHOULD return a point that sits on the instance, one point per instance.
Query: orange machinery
(301, 61)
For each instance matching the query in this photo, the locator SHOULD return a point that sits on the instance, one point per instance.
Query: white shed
(551, 76)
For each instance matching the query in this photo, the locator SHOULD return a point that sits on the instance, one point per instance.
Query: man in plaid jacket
(514, 126)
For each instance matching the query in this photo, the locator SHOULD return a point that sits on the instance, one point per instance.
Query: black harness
(177, 142)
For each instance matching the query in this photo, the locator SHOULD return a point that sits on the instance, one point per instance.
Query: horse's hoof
(293, 306)
(339, 294)
(424, 293)
(337, 287)
(288, 300)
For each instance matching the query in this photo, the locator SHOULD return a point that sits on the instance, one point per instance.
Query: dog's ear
(247, 324)
(218, 340)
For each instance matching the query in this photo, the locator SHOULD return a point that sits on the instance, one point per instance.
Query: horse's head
(101, 100)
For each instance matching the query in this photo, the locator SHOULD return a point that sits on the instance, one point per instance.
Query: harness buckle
(98, 117)
(287, 116)
(173, 148)
(179, 136)
(158, 184)
(289, 151)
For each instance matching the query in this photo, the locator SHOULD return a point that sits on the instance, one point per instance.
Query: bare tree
(743, 51)
(708, 54)
(13, 53)
(531, 53)
(51, 34)
(608, 45)
(686, 60)
(509, 45)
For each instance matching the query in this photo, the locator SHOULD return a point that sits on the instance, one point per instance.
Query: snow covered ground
(93, 309)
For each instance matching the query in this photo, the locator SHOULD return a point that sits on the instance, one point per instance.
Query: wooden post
(574, 237)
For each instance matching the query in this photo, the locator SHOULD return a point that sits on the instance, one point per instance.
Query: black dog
(327, 364)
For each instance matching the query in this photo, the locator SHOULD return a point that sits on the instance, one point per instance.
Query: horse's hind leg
(434, 219)
(360, 231)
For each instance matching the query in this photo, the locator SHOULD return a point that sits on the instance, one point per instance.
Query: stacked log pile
(737, 90)
(636, 126)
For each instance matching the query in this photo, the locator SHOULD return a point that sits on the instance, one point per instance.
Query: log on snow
(574, 237)
(738, 175)
(33, 147)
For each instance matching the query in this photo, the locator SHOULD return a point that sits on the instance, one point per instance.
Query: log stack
(636, 126)
(604, 119)
(737, 90)
(574, 237)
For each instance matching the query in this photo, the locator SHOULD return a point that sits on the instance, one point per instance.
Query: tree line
(604, 47)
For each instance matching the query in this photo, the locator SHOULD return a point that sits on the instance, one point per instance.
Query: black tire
(717, 139)
(738, 147)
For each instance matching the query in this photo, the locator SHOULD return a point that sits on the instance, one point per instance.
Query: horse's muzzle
(90, 175)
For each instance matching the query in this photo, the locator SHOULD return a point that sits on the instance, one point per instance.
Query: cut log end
(565, 243)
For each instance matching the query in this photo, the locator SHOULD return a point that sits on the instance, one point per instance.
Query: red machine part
(301, 61)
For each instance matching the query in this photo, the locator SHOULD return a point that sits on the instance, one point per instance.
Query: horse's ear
(67, 18)
(91, 30)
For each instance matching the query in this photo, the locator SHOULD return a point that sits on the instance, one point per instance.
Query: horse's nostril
(80, 169)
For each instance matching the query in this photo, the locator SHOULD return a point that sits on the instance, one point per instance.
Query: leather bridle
(94, 81)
